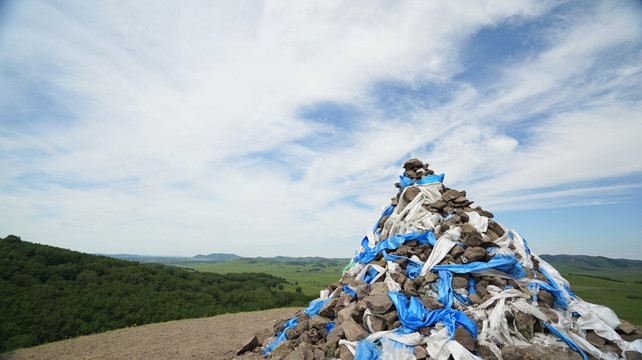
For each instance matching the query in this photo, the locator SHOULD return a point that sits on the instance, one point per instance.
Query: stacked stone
(488, 296)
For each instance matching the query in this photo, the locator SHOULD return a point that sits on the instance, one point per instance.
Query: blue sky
(279, 128)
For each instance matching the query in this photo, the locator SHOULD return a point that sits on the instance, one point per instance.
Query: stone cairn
(439, 279)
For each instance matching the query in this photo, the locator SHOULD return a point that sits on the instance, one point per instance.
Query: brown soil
(217, 337)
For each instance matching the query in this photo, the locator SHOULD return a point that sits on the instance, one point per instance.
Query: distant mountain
(216, 257)
(211, 258)
(597, 266)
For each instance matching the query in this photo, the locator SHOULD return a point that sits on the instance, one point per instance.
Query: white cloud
(183, 135)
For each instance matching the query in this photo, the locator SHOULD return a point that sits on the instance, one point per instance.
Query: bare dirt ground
(217, 337)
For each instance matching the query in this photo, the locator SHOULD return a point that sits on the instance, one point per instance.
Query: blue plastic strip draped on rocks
(431, 179)
(348, 290)
(413, 268)
(315, 306)
(329, 327)
(505, 263)
(369, 254)
(288, 325)
(406, 181)
(445, 293)
(385, 213)
(554, 289)
(370, 275)
(413, 315)
(566, 340)
(471, 286)
(367, 350)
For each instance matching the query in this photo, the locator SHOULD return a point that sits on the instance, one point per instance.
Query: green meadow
(311, 275)
(625, 298)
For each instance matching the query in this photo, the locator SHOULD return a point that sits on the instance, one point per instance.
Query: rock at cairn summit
(439, 279)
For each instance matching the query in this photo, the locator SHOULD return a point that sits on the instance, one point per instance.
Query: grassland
(310, 275)
(625, 298)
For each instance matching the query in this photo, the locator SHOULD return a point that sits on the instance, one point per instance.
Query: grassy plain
(310, 275)
(625, 298)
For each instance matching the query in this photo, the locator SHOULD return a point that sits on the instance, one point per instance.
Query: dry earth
(217, 337)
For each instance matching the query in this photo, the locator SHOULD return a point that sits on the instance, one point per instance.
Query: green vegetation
(625, 298)
(49, 293)
(306, 275)
(597, 266)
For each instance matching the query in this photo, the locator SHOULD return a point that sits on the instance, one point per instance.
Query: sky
(279, 128)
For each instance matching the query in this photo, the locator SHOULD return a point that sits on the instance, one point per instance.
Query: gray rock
(525, 324)
(460, 282)
(304, 351)
(594, 338)
(450, 195)
(329, 348)
(347, 313)
(353, 331)
(633, 355)
(378, 304)
(464, 338)
(475, 299)
(379, 288)
(495, 227)
(410, 193)
(420, 352)
(438, 205)
(430, 277)
(473, 254)
(391, 316)
(413, 164)
(499, 282)
(282, 349)
(319, 354)
(377, 323)
(296, 331)
(456, 251)
(318, 322)
(485, 353)
(480, 289)
(328, 308)
(626, 327)
(409, 285)
(248, 345)
(430, 302)
(546, 298)
(344, 353)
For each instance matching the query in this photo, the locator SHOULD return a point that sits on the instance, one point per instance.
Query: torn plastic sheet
(315, 306)
(413, 315)
(441, 248)
(520, 247)
(349, 290)
(440, 347)
(367, 350)
(480, 223)
(287, 326)
(369, 254)
(505, 263)
(329, 327)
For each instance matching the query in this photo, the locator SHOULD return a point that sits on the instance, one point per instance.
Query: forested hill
(48, 293)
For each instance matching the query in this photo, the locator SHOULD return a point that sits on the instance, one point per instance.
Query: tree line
(49, 294)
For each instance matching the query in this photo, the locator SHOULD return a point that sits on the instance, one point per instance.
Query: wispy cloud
(278, 128)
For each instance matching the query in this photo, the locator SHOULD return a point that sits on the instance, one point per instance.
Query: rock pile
(437, 278)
